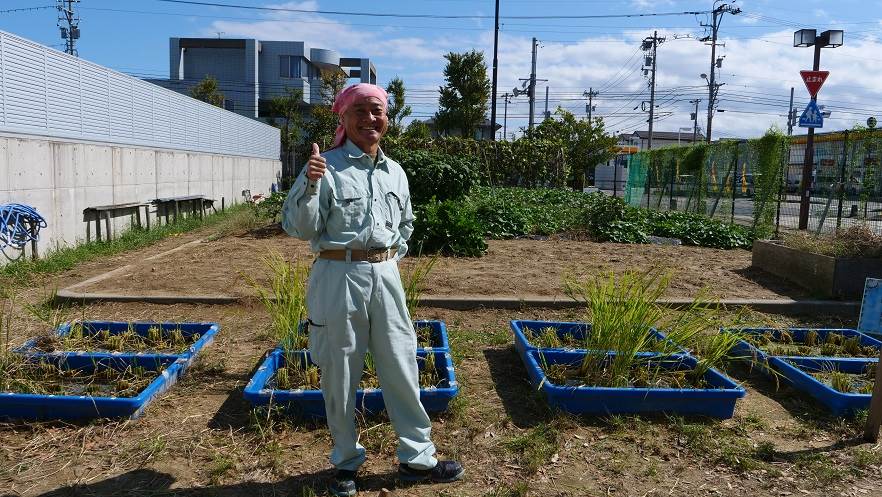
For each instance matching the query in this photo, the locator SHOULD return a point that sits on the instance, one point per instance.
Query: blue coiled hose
(19, 224)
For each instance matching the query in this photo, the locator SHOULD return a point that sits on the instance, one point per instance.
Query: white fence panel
(49, 93)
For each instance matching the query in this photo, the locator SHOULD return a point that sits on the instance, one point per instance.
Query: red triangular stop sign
(814, 80)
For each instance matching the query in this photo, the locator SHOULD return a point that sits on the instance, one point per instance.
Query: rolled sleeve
(302, 215)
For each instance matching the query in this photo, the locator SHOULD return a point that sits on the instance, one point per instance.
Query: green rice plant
(414, 280)
(285, 299)
(811, 338)
(623, 312)
(548, 338)
(429, 374)
(369, 378)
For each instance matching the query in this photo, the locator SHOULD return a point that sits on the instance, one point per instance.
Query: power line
(426, 16)
(26, 9)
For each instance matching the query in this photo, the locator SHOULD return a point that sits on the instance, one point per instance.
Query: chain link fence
(757, 182)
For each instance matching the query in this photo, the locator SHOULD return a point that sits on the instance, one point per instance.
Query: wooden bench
(174, 206)
(105, 212)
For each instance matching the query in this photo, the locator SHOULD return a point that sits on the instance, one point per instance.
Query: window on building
(289, 66)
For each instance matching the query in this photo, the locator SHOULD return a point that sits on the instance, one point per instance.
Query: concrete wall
(61, 178)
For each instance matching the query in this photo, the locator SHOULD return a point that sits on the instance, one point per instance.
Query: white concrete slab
(30, 164)
(124, 166)
(4, 165)
(98, 165)
(145, 167)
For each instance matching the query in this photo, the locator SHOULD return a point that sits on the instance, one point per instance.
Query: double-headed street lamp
(810, 38)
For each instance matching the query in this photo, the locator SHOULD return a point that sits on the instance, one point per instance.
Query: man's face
(366, 122)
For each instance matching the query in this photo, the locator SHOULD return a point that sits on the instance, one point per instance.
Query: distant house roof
(667, 135)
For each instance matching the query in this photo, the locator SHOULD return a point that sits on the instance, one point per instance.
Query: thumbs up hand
(316, 166)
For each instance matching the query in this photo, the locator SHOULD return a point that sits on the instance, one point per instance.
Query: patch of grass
(379, 438)
(22, 272)
(821, 467)
(220, 466)
(864, 458)
(535, 447)
(519, 489)
(153, 447)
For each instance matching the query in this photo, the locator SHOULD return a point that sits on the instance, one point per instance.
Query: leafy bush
(449, 227)
(512, 212)
(694, 229)
(439, 175)
(270, 207)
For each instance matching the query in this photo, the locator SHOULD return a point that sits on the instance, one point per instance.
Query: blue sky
(759, 66)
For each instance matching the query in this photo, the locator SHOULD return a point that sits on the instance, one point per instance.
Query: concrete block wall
(61, 178)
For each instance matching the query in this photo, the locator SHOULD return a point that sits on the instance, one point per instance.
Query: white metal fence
(50, 93)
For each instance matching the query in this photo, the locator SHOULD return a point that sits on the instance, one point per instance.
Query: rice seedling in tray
(843, 386)
(293, 380)
(124, 339)
(805, 342)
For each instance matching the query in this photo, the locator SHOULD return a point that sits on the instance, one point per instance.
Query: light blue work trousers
(353, 307)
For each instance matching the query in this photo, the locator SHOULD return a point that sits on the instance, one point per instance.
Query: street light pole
(804, 38)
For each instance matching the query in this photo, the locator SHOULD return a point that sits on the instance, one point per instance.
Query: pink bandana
(348, 97)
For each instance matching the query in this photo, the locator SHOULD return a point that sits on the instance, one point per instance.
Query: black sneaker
(443, 472)
(343, 484)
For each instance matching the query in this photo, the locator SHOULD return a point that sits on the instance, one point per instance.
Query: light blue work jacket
(361, 204)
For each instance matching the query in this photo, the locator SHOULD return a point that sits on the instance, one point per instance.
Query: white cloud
(757, 72)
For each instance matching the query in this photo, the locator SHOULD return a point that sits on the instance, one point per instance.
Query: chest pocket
(395, 208)
(352, 204)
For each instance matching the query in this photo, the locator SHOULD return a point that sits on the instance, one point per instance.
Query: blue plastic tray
(69, 407)
(746, 350)
(796, 371)
(311, 403)
(715, 402)
(207, 332)
(439, 334)
(524, 330)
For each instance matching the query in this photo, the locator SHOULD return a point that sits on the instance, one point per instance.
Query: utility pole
(652, 44)
(695, 120)
(720, 8)
(495, 67)
(790, 115)
(590, 107)
(505, 97)
(532, 88)
(68, 23)
(547, 114)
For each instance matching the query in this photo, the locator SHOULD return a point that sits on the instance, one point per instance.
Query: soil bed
(43, 378)
(156, 341)
(523, 268)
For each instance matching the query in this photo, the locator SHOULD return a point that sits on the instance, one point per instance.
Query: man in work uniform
(352, 204)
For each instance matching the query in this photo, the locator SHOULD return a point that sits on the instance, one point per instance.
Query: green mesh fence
(756, 182)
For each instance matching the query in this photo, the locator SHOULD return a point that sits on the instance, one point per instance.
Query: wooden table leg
(97, 226)
(177, 210)
(88, 230)
(146, 215)
(107, 225)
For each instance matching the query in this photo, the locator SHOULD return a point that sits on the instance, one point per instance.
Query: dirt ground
(202, 439)
(512, 268)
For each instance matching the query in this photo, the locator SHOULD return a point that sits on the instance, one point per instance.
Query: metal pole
(533, 87)
(505, 119)
(790, 115)
(695, 122)
(809, 162)
(652, 88)
(842, 179)
(547, 115)
(590, 102)
(710, 85)
(495, 67)
(734, 182)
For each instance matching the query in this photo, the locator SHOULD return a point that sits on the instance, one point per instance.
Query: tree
(284, 111)
(207, 91)
(462, 103)
(418, 130)
(397, 109)
(585, 143)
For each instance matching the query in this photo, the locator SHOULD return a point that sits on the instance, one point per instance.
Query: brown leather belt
(356, 255)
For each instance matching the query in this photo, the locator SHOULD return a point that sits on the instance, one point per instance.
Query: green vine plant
(770, 154)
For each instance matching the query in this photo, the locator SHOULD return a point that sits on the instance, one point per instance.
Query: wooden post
(874, 418)
(107, 225)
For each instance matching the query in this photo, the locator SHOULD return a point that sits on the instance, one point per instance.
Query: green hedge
(437, 175)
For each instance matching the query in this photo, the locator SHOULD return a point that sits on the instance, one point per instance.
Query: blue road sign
(811, 117)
